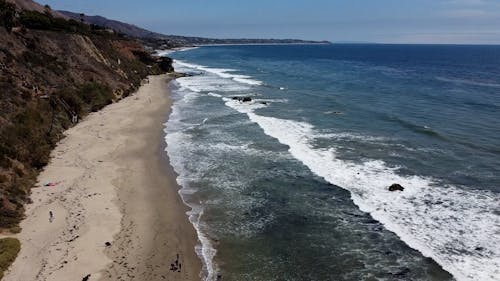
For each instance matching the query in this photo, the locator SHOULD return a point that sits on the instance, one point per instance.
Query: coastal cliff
(53, 72)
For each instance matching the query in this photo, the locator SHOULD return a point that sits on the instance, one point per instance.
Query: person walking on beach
(51, 216)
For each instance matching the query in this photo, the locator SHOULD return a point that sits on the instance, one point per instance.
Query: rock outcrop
(243, 99)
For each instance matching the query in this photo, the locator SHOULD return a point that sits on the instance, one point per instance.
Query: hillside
(121, 27)
(29, 5)
(53, 72)
(170, 41)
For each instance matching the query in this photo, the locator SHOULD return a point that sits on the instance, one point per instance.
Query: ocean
(292, 184)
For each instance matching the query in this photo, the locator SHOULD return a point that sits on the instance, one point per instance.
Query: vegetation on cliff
(53, 72)
(9, 248)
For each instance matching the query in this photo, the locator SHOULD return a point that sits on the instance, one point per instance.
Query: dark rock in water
(264, 102)
(396, 187)
(243, 99)
(86, 278)
(479, 248)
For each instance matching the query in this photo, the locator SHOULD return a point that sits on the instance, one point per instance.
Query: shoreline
(117, 211)
(204, 249)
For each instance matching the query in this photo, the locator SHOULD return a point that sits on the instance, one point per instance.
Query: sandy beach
(116, 211)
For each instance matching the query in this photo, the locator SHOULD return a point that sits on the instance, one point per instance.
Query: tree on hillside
(7, 14)
(47, 10)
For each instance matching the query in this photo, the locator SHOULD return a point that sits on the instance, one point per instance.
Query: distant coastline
(263, 44)
(158, 40)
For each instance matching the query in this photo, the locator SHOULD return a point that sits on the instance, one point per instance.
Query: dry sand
(115, 186)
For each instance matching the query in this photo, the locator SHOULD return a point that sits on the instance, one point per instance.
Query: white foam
(221, 72)
(243, 107)
(214, 95)
(458, 228)
(246, 80)
(174, 139)
(207, 81)
(210, 83)
(272, 100)
(205, 251)
(163, 53)
(351, 136)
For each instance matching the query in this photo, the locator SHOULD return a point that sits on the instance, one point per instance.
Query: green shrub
(71, 97)
(35, 20)
(45, 21)
(7, 14)
(96, 95)
(9, 217)
(9, 248)
(15, 229)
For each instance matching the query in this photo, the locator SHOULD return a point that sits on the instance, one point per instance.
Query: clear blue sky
(383, 21)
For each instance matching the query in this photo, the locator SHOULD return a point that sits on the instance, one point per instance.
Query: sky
(380, 21)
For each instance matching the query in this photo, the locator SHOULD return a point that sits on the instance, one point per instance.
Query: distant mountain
(161, 40)
(121, 27)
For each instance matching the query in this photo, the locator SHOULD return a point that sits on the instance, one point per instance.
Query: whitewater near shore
(117, 214)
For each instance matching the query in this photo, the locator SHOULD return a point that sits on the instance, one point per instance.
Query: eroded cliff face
(48, 80)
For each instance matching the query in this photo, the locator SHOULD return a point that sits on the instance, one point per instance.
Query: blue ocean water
(293, 185)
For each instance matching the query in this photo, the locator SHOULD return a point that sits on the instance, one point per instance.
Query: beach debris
(73, 239)
(51, 183)
(396, 187)
(107, 244)
(51, 216)
(86, 278)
